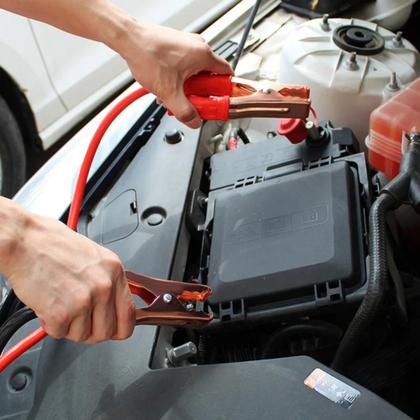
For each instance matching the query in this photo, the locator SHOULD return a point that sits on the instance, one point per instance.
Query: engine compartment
(279, 231)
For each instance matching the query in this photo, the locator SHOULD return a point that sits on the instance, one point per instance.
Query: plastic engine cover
(341, 91)
(270, 206)
(266, 236)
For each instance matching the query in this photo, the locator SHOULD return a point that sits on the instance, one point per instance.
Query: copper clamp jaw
(169, 302)
(223, 97)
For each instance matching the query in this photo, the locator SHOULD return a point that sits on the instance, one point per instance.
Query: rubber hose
(245, 34)
(16, 321)
(378, 275)
(322, 329)
(10, 305)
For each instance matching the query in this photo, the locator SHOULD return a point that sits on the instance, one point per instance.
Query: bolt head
(414, 137)
(351, 63)
(167, 298)
(173, 136)
(155, 219)
(309, 125)
(267, 91)
(325, 25)
(397, 40)
(193, 348)
(19, 381)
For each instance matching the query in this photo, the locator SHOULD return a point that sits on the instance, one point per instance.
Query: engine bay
(276, 222)
(276, 217)
(280, 229)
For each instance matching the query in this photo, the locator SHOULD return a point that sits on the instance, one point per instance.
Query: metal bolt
(167, 298)
(155, 219)
(325, 25)
(351, 63)
(19, 381)
(271, 134)
(173, 136)
(414, 137)
(393, 82)
(313, 131)
(178, 354)
(202, 201)
(267, 91)
(397, 40)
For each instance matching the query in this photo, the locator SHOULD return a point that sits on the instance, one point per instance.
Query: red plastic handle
(214, 108)
(205, 84)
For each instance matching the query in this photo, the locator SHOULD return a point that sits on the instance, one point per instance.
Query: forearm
(76, 288)
(13, 220)
(98, 20)
(160, 59)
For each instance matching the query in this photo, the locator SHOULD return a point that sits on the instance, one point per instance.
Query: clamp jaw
(222, 97)
(169, 302)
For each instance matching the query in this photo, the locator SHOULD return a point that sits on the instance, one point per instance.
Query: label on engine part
(332, 388)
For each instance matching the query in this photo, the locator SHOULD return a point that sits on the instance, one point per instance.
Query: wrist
(120, 33)
(14, 220)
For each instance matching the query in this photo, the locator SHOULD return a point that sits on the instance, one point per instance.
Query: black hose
(10, 305)
(245, 34)
(378, 275)
(15, 321)
(315, 328)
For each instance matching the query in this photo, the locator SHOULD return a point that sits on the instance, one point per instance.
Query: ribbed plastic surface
(388, 126)
(342, 93)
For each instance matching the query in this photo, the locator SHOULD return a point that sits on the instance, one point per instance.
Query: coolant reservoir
(389, 124)
(348, 64)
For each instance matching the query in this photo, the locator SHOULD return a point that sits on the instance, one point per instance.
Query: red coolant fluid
(389, 125)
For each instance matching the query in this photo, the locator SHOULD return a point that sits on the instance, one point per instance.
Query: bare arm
(159, 58)
(76, 288)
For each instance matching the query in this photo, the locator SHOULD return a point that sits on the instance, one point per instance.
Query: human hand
(76, 288)
(161, 59)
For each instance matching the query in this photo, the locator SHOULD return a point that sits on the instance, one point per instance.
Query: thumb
(183, 109)
(218, 65)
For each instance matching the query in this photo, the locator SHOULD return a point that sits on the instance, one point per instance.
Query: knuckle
(54, 333)
(104, 288)
(60, 318)
(209, 50)
(84, 300)
(185, 114)
(204, 49)
(114, 262)
(199, 37)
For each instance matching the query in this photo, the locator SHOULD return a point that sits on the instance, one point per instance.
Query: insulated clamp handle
(205, 84)
(213, 108)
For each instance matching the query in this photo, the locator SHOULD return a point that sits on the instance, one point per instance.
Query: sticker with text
(332, 388)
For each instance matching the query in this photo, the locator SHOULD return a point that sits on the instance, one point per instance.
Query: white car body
(65, 77)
